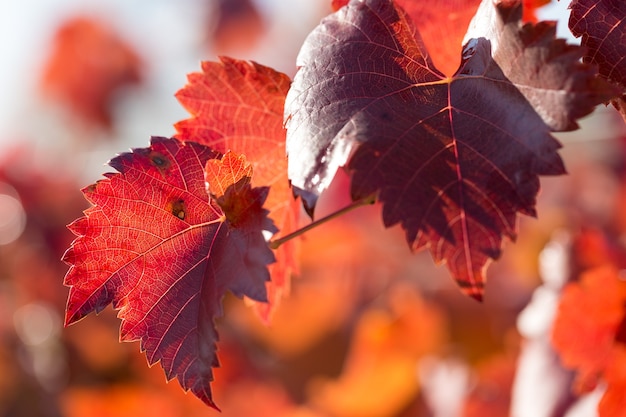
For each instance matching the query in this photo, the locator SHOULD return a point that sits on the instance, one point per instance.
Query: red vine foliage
(450, 142)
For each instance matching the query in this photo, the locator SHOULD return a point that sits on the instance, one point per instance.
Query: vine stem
(275, 244)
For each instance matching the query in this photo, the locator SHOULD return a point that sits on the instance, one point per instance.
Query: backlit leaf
(238, 105)
(452, 159)
(162, 252)
(602, 26)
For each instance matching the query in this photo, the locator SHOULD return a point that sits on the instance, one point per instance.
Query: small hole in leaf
(178, 209)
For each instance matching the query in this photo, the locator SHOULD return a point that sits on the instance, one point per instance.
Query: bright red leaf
(88, 64)
(453, 159)
(238, 105)
(602, 26)
(159, 249)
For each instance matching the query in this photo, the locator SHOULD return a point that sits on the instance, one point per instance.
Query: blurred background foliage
(369, 328)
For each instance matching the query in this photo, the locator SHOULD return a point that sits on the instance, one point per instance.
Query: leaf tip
(478, 296)
(71, 316)
(309, 200)
(212, 404)
(473, 288)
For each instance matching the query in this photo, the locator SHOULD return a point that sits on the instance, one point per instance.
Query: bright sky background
(164, 33)
(170, 37)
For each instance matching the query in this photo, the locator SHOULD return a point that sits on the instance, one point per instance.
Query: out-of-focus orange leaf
(259, 398)
(97, 345)
(588, 335)
(382, 362)
(118, 401)
(324, 305)
(591, 249)
(337, 4)
(336, 264)
(613, 402)
(330, 254)
(239, 24)
(88, 64)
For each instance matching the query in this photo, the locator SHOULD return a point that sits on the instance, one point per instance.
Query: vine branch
(275, 244)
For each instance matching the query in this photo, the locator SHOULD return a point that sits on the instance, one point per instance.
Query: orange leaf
(238, 105)
(589, 316)
(613, 402)
(387, 345)
(87, 66)
(238, 25)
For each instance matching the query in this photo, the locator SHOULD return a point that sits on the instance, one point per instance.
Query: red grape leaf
(159, 249)
(602, 25)
(544, 69)
(453, 159)
(238, 105)
(86, 67)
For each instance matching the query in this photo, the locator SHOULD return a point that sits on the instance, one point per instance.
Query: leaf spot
(177, 208)
(159, 160)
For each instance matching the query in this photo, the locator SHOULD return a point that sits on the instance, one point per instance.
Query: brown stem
(274, 244)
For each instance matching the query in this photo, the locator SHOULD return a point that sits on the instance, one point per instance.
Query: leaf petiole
(274, 244)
